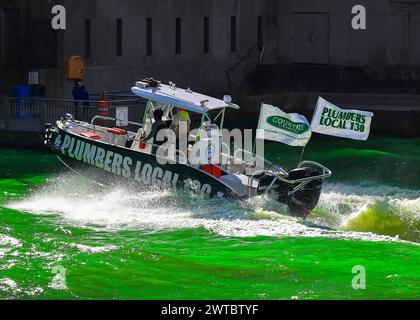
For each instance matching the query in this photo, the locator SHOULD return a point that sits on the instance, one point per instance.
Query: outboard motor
(273, 187)
(303, 200)
(300, 201)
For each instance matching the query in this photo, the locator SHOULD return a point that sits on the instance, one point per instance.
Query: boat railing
(110, 138)
(96, 118)
(255, 160)
(325, 173)
(94, 129)
(279, 174)
(298, 184)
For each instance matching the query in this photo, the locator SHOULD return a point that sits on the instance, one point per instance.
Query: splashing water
(383, 210)
(117, 243)
(356, 212)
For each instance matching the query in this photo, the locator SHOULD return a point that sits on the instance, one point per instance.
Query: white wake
(83, 204)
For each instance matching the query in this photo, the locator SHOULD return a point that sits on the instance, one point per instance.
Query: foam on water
(8, 286)
(7, 244)
(94, 250)
(384, 210)
(354, 210)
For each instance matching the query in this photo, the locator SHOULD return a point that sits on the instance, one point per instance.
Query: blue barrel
(22, 93)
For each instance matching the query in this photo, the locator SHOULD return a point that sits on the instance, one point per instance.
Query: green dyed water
(62, 237)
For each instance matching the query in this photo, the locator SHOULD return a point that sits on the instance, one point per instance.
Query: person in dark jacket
(157, 126)
(81, 98)
(80, 93)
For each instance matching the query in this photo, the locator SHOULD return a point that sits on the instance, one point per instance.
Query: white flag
(276, 125)
(333, 121)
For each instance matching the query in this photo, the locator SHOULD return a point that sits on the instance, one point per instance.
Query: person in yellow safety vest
(181, 124)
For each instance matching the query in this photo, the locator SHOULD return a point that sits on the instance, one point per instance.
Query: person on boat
(157, 126)
(181, 125)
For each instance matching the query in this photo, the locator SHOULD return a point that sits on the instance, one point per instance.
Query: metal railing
(30, 114)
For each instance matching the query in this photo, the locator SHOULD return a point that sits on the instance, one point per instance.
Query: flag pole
(303, 154)
(254, 147)
(304, 148)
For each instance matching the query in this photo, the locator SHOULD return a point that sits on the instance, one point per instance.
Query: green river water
(63, 237)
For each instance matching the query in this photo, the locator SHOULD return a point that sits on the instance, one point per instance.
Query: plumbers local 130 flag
(331, 120)
(276, 125)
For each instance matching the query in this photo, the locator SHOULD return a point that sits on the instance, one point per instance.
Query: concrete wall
(389, 39)
(13, 45)
(202, 71)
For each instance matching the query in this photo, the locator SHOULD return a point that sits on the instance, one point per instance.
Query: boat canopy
(182, 98)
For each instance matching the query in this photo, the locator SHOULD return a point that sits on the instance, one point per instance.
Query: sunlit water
(62, 236)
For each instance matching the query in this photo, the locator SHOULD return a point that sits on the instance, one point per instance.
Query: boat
(122, 155)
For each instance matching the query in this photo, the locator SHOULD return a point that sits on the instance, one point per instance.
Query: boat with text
(204, 164)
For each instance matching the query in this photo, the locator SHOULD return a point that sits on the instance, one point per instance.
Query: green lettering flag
(333, 121)
(276, 125)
